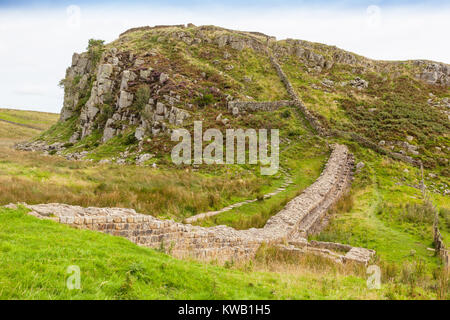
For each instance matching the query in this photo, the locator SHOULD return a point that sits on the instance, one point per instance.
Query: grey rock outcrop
(434, 73)
(359, 83)
(75, 82)
(127, 76)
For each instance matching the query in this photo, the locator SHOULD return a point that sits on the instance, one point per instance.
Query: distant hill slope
(20, 125)
(33, 119)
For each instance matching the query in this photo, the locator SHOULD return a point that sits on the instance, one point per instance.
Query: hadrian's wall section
(219, 243)
(254, 106)
(315, 123)
(441, 250)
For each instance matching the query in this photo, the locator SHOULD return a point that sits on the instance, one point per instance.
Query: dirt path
(21, 124)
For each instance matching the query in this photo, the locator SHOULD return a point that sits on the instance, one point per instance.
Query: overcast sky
(37, 38)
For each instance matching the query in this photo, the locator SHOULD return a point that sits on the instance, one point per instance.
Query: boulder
(360, 165)
(127, 76)
(104, 71)
(108, 132)
(92, 112)
(145, 74)
(328, 83)
(359, 83)
(160, 108)
(75, 137)
(163, 77)
(139, 133)
(125, 99)
(143, 157)
(139, 62)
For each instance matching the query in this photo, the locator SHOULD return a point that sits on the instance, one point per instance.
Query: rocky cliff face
(113, 90)
(150, 81)
(434, 73)
(76, 82)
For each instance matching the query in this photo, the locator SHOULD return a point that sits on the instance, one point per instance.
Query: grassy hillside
(384, 210)
(33, 119)
(19, 125)
(395, 107)
(167, 191)
(35, 255)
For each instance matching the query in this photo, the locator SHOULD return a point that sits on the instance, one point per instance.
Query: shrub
(418, 213)
(105, 113)
(260, 196)
(204, 100)
(286, 114)
(142, 97)
(294, 133)
(130, 139)
(95, 49)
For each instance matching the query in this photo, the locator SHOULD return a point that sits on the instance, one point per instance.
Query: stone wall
(146, 28)
(441, 250)
(314, 122)
(219, 243)
(253, 106)
(375, 147)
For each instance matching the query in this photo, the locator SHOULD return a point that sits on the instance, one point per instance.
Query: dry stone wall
(375, 147)
(314, 122)
(219, 243)
(237, 107)
(441, 250)
(288, 181)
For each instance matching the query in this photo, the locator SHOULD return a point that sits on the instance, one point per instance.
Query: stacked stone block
(219, 243)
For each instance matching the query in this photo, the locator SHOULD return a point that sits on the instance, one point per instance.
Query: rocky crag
(127, 88)
(141, 90)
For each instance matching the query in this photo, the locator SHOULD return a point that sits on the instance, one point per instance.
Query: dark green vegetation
(384, 210)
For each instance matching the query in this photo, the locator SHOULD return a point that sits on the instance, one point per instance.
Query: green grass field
(35, 255)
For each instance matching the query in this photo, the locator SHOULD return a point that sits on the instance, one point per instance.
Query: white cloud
(31, 90)
(37, 46)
